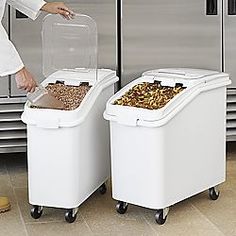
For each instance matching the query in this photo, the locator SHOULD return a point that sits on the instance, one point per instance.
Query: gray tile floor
(97, 216)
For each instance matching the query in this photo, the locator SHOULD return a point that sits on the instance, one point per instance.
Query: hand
(25, 80)
(58, 8)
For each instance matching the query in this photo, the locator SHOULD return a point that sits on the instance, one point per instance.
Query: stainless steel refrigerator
(230, 64)
(160, 33)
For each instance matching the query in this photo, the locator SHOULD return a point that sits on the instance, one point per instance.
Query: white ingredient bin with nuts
(68, 150)
(167, 134)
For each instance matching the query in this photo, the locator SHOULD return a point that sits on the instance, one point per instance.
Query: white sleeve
(10, 61)
(31, 8)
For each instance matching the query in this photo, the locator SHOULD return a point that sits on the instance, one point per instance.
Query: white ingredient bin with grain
(160, 157)
(68, 150)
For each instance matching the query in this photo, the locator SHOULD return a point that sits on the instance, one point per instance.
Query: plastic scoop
(41, 97)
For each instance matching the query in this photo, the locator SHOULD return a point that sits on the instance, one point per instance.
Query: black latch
(20, 15)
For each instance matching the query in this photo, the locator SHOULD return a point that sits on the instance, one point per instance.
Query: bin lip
(136, 116)
(51, 118)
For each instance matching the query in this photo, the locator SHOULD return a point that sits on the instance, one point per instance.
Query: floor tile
(17, 169)
(221, 212)
(101, 216)
(183, 220)
(18, 176)
(58, 229)
(231, 165)
(49, 214)
(230, 183)
(11, 223)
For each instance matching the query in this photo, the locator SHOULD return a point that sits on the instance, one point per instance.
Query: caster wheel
(161, 216)
(121, 207)
(70, 216)
(213, 193)
(103, 189)
(36, 212)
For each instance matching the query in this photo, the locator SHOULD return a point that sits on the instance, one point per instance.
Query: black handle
(231, 7)
(211, 7)
(20, 15)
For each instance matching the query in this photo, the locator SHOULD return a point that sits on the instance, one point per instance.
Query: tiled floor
(197, 216)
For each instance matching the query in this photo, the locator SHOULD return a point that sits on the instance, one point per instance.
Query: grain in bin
(68, 149)
(167, 133)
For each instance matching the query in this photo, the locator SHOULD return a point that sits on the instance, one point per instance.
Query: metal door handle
(231, 7)
(211, 7)
(20, 15)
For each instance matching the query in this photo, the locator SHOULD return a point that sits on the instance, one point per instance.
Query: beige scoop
(41, 97)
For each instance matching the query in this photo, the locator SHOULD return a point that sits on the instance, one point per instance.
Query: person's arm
(10, 61)
(11, 64)
(58, 8)
(32, 8)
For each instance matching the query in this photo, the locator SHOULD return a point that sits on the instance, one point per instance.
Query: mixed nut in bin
(71, 96)
(149, 95)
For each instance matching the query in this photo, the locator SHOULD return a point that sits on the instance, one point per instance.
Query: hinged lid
(69, 45)
(183, 73)
(195, 82)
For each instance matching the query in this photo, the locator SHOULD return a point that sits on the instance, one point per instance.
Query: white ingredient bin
(68, 151)
(161, 157)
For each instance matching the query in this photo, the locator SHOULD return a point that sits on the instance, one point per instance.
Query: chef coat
(10, 61)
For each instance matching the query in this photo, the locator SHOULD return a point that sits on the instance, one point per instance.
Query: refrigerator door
(160, 34)
(26, 35)
(4, 81)
(230, 39)
(229, 64)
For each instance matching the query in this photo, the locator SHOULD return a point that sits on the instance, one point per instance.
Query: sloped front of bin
(160, 157)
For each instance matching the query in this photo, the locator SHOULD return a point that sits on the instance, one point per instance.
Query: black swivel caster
(161, 216)
(70, 215)
(121, 207)
(103, 189)
(213, 193)
(36, 212)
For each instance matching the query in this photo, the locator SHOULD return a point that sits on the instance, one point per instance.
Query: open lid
(69, 45)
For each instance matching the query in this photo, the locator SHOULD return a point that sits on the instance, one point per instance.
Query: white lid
(183, 73)
(69, 45)
(195, 81)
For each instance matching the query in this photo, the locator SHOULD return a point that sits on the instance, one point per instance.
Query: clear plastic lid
(69, 45)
